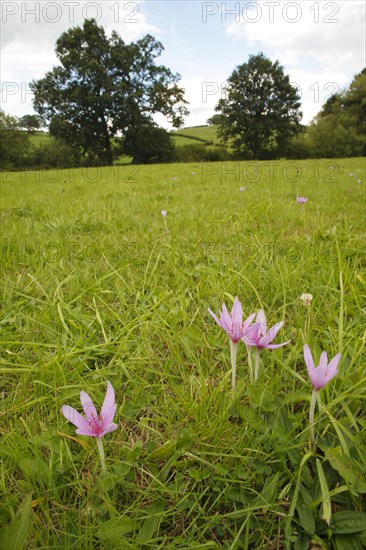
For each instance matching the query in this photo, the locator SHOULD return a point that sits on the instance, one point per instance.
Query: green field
(96, 287)
(197, 135)
(40, 138)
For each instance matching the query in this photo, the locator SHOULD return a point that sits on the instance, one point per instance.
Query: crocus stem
(250, 362)
(233, 352)
(166, 225)
(101, 452)
(311, 416)
(257, 359)
(307, 323)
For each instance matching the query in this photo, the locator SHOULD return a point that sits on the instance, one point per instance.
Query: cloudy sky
(321, 44)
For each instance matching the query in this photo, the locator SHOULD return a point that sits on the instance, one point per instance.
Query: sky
(320, 44)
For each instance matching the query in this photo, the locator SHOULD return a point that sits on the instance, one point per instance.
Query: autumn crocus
(319, 377)
(257, 336)
(235, 328)
(164, 213)
(301, 200)
(93, 424)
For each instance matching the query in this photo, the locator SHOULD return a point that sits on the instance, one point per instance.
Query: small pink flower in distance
(257, 335)
(301, 200)
(93, 424)
(242, 189)
(233, 324)
(164, 213)
(321, 375)
(174, 179)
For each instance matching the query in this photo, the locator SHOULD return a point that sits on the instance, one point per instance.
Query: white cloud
(326, 33)
(321, 44)
(30, 31)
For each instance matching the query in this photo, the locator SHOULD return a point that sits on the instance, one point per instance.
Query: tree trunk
(107, 145)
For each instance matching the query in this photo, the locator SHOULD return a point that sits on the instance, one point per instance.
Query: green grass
(40, 138)
(96, 288)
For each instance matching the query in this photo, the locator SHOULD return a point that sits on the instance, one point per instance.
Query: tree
(31, 123)
(103, 88)
(149, 144)
(260, 110)
(215, 120)
(14, 144)
(339, 129)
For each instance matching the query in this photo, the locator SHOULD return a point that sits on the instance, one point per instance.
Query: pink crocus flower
(242, 189)
(321, 375)
(93, 424)
(258, 336)
(164, 213)
(301, 200)
(233, 324)
(235, 328)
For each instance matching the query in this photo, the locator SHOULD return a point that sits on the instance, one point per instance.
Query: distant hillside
(40, 138)
(196, 135)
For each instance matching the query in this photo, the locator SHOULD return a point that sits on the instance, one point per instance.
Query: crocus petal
(215, 317)
(237, 313)
(88, 406)
(323, 362)
(108, 429)
(247, 323)
(271, 335)
(75, 418)
(87, 431)
(252, 335)
(274, 346)
(318, 379)
(109, 406)
(332, 369)
(308, 359)
(261, 320)
(225, 318)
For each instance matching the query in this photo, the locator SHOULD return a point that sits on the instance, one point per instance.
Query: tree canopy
(104, 88)
(31, 123)
(14, 144)
(339, 129)
(261, 109)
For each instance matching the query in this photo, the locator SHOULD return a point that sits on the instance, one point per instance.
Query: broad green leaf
(302, 542)
(16, 534)
(152, 522)
(327, 509)
(347, 468)
(347, 542)
(165, 451)
(199, 475)
(113, 530)
(306, 516)
(348, 521)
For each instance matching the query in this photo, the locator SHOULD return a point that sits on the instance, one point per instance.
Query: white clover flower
(306, 299)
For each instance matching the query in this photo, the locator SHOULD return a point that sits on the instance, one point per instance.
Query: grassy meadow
(97, 286)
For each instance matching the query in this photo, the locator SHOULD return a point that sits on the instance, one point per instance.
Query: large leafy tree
(103, 88)
(31, 123)
(261, 109)
(339, 129)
